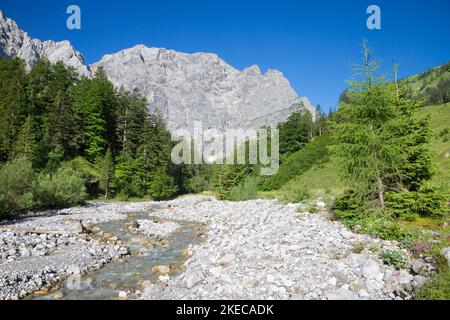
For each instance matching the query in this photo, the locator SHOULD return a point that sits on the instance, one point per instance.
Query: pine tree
(295, 132)
(377, 138)
(95, 106)
(26, 144)
(13, 104)
(162, 185)
(59, 123)
(131, 118)
(105, 166)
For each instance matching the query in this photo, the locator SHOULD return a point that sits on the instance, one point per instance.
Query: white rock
(164, 279)
(343, 293)
(321, 204)
(226, 259)
(193, 279)
(446, 254)
(25, 253)
(371, 270)
(270, 278)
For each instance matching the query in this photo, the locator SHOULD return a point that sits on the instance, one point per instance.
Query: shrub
(88, 171)
(248, 190)
(162, 186)
(16, 187)
(427, 202)
(358, 248)
(386, 229)
(393, 258)
(348, 201)
(226, 177)
(64, 188)
(198, 184)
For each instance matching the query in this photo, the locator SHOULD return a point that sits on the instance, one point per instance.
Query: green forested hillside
(433, 85)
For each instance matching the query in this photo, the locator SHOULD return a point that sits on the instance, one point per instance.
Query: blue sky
(312, 42)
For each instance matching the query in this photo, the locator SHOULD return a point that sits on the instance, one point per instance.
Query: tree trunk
(381, 193)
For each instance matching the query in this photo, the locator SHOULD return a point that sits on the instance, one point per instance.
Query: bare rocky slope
(184, 87)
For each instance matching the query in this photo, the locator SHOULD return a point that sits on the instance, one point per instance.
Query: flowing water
(128, 274)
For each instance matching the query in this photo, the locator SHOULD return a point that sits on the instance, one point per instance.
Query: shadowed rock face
(184, 87)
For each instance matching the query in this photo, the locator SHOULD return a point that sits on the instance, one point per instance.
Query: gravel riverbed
(39, 249)
(256, 249)
(264, 250)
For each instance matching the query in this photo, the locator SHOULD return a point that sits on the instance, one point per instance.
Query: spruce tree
(295, 132)
(13, 104)
(378, 138)
(26, 143)
(105, 166)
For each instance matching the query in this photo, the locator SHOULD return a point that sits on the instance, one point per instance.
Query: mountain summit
(14, 42)
(184, 87)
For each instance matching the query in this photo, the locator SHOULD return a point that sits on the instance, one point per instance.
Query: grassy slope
(324, 178)
(320, 179)
(421, 82)
(312, 154)
(439, 120)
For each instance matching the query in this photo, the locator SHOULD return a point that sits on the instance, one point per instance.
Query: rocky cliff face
(202, 87)
(184, 87)
(16, 43)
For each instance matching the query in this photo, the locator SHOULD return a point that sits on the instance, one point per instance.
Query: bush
(198, 184)
(375, 223)
(64, 188)
(248, 190)
(351, 210)
(393, 258)
(162, 186)
(16, 187)
(386, 229)
(88, 171)
(227, 177)
(427, 202)
(348, 201)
